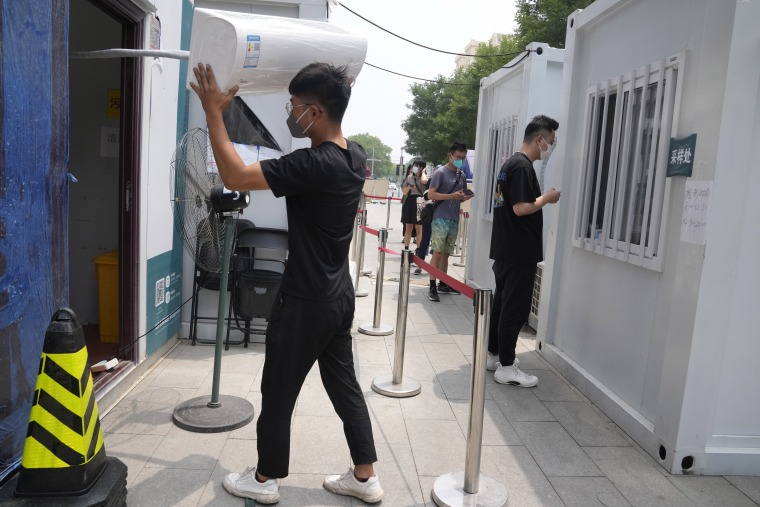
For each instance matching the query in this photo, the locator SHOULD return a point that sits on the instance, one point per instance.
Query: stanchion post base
(448, 491)
(370, 329)
(459, 264)
(384, 385)
(195, 414)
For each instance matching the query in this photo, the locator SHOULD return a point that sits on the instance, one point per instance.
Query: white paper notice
(696, 209)
(109, 142)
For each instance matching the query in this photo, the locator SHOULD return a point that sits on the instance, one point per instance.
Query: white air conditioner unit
(533, 317)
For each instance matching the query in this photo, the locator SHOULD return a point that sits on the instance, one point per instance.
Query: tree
(383, 165)
(447, 110)
(545, 20)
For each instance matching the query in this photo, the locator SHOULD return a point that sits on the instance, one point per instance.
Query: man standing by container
(516, 248)
(449, 188)
(311, 321)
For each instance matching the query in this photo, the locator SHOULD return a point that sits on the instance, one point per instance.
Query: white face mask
(544, 156)
(415, 170)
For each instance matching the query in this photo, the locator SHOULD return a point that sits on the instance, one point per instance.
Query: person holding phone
(516, 248)
(447, 186)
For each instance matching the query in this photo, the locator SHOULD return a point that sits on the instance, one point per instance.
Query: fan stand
(216, 413)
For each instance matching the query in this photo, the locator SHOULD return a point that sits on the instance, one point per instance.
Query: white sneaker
(514, 376)
(347, 484)
(245, 485)
(492, 362)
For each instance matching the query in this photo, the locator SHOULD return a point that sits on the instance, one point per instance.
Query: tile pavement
(549, 446)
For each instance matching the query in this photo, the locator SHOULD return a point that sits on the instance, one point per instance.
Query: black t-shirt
(322, 186)
(516, 240)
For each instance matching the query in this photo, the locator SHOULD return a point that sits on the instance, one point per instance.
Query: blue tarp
(33, 201)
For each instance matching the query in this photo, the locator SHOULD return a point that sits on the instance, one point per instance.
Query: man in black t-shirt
(311, 320)
(516, 248)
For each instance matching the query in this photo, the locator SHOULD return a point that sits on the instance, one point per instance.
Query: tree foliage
(384, 167)
(446, 110)
(545, 20)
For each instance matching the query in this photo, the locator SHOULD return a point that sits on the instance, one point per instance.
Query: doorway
(104, 111)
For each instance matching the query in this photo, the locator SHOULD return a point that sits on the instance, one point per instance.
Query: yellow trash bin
(107, 271)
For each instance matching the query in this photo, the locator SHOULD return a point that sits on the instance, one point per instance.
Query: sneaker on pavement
(245, 485)
(514, 376)
(418, 271)
(492, 362)
(433, 295)
(446, 289)
(347, 484)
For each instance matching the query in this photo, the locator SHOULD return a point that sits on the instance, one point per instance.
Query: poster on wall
(164, 298)
(696, 210)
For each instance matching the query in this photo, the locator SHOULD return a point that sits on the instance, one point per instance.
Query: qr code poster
(160, 290)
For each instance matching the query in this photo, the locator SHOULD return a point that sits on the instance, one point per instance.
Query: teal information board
(681, 155)
(164, 296)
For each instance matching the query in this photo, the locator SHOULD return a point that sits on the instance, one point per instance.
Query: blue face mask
(457, 163)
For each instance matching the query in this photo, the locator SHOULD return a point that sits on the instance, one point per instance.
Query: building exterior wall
(628, 335)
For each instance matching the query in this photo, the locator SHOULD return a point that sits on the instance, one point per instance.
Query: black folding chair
(259, 262)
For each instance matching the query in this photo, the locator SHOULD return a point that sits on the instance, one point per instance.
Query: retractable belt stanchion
(375, 328)
(469, 488)
(360, 259)
(359, 214)
(463, 230)
(395, 385)
(388, 214)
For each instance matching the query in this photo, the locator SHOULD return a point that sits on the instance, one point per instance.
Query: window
(622, 191)
(501, 146)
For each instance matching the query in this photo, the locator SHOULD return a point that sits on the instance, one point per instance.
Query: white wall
(158, 133)
(721, 418)
(624, 333)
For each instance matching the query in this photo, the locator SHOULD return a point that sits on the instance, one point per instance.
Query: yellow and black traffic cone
(64, 455)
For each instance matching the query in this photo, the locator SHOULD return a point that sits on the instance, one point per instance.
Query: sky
(379, 100)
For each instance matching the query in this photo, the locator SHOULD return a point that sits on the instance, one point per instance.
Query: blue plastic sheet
(33, 201)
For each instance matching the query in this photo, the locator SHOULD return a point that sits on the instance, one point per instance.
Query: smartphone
(467, 191)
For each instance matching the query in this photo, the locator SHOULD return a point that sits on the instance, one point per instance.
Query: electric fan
(204, 216)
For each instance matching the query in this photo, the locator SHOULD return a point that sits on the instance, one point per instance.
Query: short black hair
(419, 163)
(540, 125)
(457, 146)
(325, 85)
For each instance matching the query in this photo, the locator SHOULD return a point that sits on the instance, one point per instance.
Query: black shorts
(409, 210)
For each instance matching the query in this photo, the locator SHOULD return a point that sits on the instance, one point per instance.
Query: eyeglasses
(289, 107)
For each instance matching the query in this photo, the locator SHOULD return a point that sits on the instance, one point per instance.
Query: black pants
(301, 332)
(511, 307)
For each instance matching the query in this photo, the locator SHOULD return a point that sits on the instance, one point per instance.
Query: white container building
(649, 294)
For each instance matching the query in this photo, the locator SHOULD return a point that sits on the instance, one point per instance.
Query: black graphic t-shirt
(516, 240)
(321, 186)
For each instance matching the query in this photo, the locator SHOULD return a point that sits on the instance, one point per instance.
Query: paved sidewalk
(548, 445)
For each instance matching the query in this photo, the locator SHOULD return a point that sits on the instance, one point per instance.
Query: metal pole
(359, 214)
(469, 488)
(483, 299)
(388, 213)
(394, 385)
(217, 413)
(360, 260)
(463, 251)
(375, 328)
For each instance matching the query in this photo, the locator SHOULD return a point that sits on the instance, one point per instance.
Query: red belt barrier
(463, 288)
(381, 197)
(367, 229)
